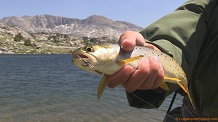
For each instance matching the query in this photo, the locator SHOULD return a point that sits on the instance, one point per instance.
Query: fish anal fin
(102, 85)
(128, 60)
(184, 87)
(177, 81)
(171, 79)
(164, 86)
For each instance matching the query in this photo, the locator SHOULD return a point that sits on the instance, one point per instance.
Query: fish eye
(89, 49)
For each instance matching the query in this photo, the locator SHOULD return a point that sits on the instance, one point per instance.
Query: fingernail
(122, 43)
(126, 45)
(160, 66)
(155, 58)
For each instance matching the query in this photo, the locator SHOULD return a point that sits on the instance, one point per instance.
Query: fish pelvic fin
(102, 85)
(164, 86)
(128, 60)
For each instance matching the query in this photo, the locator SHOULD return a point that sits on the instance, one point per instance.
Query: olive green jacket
(190, 34)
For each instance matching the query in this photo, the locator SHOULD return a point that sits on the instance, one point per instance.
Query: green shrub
(18, 37)
(27, 42)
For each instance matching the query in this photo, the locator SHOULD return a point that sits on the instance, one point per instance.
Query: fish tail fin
(102, 85)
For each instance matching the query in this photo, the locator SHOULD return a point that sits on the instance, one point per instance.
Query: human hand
(149, 73)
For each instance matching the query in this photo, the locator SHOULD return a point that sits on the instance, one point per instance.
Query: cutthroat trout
(107, 59)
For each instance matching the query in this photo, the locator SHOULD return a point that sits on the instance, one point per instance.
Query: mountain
(93, 26)
(55, 34)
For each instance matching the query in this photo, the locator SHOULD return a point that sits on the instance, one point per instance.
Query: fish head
(93, 56)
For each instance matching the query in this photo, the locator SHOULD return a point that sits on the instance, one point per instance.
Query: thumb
(129, 39)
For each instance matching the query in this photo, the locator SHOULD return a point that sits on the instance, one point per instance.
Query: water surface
(48, 88)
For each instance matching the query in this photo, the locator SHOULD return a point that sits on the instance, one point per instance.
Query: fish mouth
(86, 60)
(81, 56)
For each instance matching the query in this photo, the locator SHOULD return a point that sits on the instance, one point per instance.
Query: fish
(107, 59)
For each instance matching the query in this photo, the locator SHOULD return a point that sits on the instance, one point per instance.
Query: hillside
(56, 34)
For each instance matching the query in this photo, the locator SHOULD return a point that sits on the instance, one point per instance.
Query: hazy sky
(139, 12)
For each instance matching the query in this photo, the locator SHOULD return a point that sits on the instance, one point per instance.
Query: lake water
(48, 88)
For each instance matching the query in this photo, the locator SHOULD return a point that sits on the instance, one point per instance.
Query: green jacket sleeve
(180, 34)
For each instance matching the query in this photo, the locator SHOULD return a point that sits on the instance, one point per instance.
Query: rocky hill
(48, 31)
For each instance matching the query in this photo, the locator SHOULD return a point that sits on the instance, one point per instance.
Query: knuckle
(160, 77)
(154, 71)
(143, 66)
(155, 86)
(148, 86)
(110, 86)
(129, 88)
(143, 73)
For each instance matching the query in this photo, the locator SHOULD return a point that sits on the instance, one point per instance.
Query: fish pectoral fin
(102, 85)
(128, 60)
(164, 86)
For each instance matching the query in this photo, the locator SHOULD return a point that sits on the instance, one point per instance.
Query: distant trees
(85, 40)
(94, 40)
(88, 41)
(58, 37)
(27, 42)
(18, 38)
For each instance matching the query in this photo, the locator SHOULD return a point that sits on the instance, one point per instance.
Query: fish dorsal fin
(128, 60)
(164, 86)
(102, 85)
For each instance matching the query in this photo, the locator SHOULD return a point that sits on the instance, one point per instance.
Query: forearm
(180, 34)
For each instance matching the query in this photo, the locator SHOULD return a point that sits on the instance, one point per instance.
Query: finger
(120, 77)
(129, 39)
(159, 78)
(153, 73)
(138, 77)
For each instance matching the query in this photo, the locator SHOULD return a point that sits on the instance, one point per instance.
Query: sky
(139, 12)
